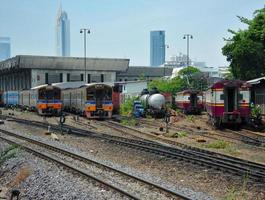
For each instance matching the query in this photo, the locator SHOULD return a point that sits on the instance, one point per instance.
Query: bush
(127, 107)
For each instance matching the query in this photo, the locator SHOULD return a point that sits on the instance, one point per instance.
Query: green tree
(246, 49)
(193, 78)
(172, 86)
(189, 77)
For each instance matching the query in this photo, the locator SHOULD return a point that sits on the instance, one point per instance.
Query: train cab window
(68, 77)
(102, 77)
(108, 94)
(90, 94)
(82, 77)
(240, 97)
(49, 94)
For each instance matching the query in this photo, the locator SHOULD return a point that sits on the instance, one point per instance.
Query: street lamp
(188, 37)
(85, 31)
(165, 46)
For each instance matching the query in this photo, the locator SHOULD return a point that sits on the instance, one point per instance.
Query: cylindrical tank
(143, 99)
(156, 101)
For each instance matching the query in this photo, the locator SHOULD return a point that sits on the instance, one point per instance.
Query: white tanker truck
(154, 102)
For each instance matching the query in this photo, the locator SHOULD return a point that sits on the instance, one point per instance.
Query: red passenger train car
(227, 102)
(190, 101)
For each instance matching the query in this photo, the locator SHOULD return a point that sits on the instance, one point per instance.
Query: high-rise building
(4, 48)
(157, 48)
(62, 33)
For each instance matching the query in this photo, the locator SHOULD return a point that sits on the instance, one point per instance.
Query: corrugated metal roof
(65, 63)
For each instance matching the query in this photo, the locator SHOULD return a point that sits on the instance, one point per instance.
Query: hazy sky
(121, 28)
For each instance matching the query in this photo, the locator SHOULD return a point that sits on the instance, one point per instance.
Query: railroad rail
(245, 136)
(187, 153)
(152, 187)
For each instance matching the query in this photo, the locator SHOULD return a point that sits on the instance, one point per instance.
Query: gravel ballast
(189, 178)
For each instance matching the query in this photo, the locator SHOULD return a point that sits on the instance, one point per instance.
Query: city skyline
(5, 48)
(63, 45)
(121, 29)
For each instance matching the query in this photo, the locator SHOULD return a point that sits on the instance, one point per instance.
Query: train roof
(45, 85)
(256, 81)
(230, 83)
(188, 91)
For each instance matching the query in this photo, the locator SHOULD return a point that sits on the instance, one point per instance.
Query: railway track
(113, 178)
(245, 136)
(225, 163)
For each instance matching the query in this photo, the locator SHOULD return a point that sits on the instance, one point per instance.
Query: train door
(193, 100)
(231, 99)
(99, 98)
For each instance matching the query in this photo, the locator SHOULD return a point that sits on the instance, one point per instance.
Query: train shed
(27, 71)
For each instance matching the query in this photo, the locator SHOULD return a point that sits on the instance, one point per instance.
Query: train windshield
(49, 94)
(99, 92)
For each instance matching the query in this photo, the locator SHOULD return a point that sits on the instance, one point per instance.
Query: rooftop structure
(24, 71)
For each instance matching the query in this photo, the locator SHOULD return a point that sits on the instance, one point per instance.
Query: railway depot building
(26, 71)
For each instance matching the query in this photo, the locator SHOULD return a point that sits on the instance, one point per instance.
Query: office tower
(4, 48)
(62, 33)
(157, 48)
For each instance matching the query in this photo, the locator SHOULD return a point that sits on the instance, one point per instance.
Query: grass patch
(241, 193)
(218, 144)
(190, 118)
(232, 150)
(129, 122)
(182, 134)
(178, 134)
(8, 153)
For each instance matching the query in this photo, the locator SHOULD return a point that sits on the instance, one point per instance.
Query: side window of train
(240, 97)
(222, 97)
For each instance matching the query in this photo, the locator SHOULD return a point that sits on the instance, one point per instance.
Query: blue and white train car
(11, 98)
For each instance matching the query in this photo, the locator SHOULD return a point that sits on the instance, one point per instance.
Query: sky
(121, 28)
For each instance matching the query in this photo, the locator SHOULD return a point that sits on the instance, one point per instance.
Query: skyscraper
(157, 48)
(4, 48)
(62, 33)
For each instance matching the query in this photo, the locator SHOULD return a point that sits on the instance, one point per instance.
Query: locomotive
(91, 100)
(154, 102)
(189, 101)
(227, 102)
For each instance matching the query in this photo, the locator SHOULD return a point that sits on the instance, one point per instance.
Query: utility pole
(188, 37)
(85, 31)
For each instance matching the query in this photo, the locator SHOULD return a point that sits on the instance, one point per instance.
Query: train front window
(49, 94)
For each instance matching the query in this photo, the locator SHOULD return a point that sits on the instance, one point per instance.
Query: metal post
(85, 55)
(188, 51)
(85, 31)
(188, 37)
